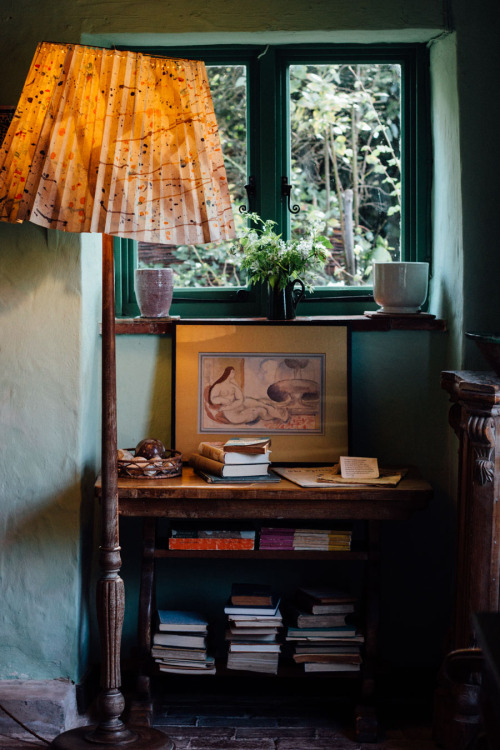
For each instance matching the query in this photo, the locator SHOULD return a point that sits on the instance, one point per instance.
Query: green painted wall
(447, 282)
(478, 63)
(49, 347)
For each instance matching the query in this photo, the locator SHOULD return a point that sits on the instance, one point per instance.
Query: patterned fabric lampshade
(119, 143)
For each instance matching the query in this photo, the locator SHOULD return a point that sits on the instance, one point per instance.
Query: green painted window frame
(268, 149)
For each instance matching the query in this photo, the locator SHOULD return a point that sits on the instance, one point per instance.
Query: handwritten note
(353, 467)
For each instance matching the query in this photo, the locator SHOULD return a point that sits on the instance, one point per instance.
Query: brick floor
(206, 722)
(281, 724)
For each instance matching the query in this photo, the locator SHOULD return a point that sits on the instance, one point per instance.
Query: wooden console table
(189, 498)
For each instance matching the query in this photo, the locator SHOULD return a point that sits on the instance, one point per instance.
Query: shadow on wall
(90, 534)
(29, 255)
(46, 567)
(449, 311)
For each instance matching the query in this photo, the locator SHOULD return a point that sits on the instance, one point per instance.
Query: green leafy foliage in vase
(268, 258)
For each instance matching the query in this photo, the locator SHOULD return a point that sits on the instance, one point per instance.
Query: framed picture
(287, 382)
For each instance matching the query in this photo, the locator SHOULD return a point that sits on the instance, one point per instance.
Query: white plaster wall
(478, 66)
(24, 24)
(42, 406)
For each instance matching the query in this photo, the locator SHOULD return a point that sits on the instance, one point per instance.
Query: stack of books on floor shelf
(253, 622)
(236, 460)
(321, 540)
(210, 539)
(320, 633)
(180, 643)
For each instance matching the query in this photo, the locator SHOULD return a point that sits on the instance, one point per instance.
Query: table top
(190, 497)
(472, 386)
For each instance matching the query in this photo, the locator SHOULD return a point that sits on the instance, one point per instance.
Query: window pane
(345, 163)
(207, 265)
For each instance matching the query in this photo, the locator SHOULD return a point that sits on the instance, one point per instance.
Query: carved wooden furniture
(189, 498)
(475, 417)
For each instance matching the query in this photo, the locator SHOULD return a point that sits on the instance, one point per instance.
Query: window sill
(356, 322)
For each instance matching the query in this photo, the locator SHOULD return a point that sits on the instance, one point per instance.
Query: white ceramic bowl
(400, 288)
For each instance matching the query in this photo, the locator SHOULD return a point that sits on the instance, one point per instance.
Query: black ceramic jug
(282, 303)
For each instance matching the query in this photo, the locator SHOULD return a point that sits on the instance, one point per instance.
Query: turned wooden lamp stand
(111, 731)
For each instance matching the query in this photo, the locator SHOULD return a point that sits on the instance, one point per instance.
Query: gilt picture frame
(287, 382)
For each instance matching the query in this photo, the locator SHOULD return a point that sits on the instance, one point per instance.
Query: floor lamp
(121, 144)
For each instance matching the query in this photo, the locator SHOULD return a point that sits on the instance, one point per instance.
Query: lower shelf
(356, 553)
(287, 669)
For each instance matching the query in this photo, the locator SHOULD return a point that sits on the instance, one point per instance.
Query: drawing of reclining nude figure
(262, 393)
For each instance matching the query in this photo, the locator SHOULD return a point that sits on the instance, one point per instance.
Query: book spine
(308, 622)
(216, 453)
(250, 449)
(212, 452)
(207, 464)
(327, 658)
(214, 544)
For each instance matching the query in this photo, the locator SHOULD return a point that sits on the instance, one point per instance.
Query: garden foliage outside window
(346, 127)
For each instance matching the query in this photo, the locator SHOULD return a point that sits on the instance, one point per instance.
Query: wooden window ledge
(423, 322)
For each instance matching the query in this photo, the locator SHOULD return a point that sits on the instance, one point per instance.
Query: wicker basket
(165, 467)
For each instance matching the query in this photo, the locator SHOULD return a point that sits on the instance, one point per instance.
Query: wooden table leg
(142, 706)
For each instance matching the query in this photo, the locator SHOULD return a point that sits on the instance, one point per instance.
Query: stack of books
(322, 540)
(179, 645)
(236, 460)
(210, 539)
(320, 632)
(276, 538)
(253, 622)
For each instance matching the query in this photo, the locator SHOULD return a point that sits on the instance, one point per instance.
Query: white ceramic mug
(400, 288)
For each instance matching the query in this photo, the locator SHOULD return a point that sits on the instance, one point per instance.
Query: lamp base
(138, 738)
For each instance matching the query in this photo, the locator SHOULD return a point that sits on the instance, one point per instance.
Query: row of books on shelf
(269, 538)
(316, 631)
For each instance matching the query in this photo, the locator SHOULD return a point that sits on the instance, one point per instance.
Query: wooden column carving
(481, 434)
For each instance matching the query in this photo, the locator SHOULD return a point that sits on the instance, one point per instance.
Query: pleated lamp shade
(118, 143)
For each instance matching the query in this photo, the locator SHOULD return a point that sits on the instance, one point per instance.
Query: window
(332, 134)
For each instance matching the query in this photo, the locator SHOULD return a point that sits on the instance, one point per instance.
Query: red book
(210, 544)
